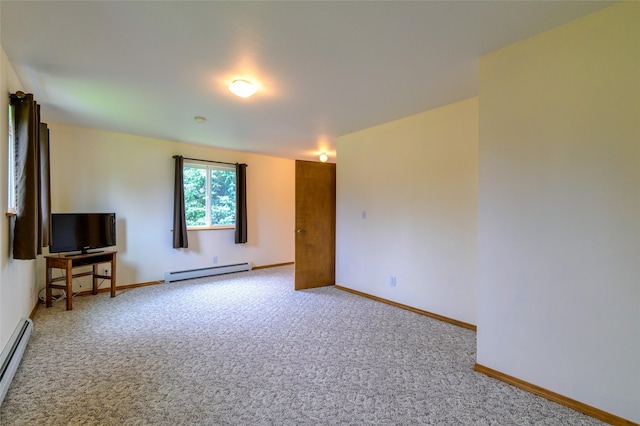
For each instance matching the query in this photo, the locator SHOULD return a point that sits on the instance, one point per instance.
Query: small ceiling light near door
(242, 88)
(199, 119)
(324, 157)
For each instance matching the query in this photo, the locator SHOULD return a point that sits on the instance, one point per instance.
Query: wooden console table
(69, 262)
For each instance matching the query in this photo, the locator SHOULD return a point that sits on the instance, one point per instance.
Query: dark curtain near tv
(241, 203)
(180, 239)
(33, 194)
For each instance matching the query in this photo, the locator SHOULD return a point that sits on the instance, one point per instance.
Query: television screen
(82, 231)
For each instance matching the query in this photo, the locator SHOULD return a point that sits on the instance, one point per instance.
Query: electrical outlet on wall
(392, 281)
(214, 259)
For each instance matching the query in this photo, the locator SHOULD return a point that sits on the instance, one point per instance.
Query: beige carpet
(245, 349)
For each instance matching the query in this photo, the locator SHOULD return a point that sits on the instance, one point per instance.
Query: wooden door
(315, 257)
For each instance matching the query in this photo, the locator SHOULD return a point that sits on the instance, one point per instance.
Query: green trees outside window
(209, 195)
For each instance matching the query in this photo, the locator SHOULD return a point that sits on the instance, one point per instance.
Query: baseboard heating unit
(12, 354)
(206, 272)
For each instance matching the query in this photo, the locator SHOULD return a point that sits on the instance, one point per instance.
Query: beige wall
(17, 277)
(98, 171)
(416, 179)
(559, 210)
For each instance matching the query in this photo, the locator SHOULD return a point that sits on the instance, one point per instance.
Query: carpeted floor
(245, 349)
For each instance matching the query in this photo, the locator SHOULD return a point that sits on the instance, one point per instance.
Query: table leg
(95, 279)
(113, 275)
(69, 281)
(48, 287)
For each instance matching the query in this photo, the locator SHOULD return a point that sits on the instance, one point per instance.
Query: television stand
(69, 262)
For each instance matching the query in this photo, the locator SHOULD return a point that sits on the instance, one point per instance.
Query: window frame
(209, 167)
(11, 162)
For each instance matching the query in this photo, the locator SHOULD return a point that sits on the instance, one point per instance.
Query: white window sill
(210, 228)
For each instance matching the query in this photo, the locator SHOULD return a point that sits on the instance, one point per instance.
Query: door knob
(301, 231)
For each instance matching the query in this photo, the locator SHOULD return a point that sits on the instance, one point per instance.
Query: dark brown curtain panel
(241, 203)
(31, 227)
(180, 239)
(45, 187)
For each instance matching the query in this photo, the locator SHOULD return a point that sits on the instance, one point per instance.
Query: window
(209, 195)
(11, 165)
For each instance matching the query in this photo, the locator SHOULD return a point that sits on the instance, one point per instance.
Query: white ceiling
(324, 68)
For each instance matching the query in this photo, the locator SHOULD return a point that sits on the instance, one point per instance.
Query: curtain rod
(206, 161)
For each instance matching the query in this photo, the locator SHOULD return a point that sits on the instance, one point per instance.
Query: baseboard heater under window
(206, 272)
(12, 354)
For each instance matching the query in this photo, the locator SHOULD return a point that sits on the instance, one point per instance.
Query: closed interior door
(315, 257)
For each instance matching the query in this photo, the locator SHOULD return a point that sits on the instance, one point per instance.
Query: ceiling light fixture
(324, 157)
(199, 119)
(242, 88)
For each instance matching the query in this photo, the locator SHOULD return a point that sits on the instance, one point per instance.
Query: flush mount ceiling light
(324, 157)
(242, 88)
(199, 119)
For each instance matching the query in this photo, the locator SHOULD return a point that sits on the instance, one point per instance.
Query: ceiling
(323, 68)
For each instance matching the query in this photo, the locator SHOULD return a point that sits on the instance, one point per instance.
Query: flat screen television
(82, 232)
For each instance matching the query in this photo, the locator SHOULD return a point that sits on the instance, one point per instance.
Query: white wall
(416, 178)
(17, 277)
(98, 171)
(559, 210)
